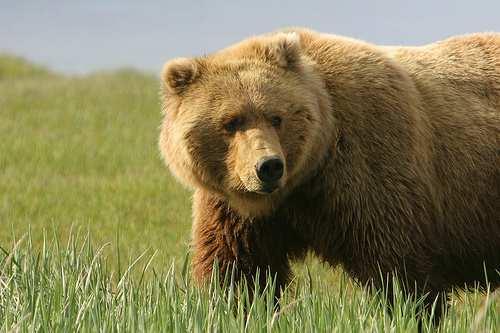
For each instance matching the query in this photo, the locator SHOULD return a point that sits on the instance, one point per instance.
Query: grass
(71, 287)
(95, 231)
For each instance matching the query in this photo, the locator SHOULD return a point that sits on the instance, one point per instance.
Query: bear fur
(391, 157)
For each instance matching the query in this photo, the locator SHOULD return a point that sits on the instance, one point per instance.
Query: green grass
(95, 231)
(67, 287)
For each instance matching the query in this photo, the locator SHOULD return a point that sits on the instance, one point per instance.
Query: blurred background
(81, 36)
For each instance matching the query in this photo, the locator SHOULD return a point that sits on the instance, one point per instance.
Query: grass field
(95, 231)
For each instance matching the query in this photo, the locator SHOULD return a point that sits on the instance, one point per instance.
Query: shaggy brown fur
(392, 156)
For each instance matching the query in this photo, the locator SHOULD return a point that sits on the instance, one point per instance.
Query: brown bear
(381, 159)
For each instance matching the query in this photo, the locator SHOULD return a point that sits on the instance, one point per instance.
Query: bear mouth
(267, 189)
(256, 189)
(263, 191)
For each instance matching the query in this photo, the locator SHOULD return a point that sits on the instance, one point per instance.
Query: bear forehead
(229, 98)
(237, 74)
(244, 84)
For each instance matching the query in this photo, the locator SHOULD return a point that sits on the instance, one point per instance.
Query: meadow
(95, 231)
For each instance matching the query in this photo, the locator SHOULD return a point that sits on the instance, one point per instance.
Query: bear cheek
(294, 143)
(207, 151)
(293, 152)
(176, 155)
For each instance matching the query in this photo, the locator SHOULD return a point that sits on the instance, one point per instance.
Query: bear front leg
(221, 235)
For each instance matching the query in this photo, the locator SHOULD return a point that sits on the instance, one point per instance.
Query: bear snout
(270, 170)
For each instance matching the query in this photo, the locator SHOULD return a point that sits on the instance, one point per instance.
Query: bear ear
(283, 49)
(178, 74)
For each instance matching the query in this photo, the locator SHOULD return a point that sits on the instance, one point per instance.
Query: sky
(78, 37)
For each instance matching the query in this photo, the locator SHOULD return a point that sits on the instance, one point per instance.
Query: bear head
(247, 123)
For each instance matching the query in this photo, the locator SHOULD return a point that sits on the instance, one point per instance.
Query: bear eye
(234, 124)
(276, 121)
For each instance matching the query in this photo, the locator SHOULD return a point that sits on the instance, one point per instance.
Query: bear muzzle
(269, 170)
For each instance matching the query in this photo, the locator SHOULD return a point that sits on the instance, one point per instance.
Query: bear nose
(270, 169)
